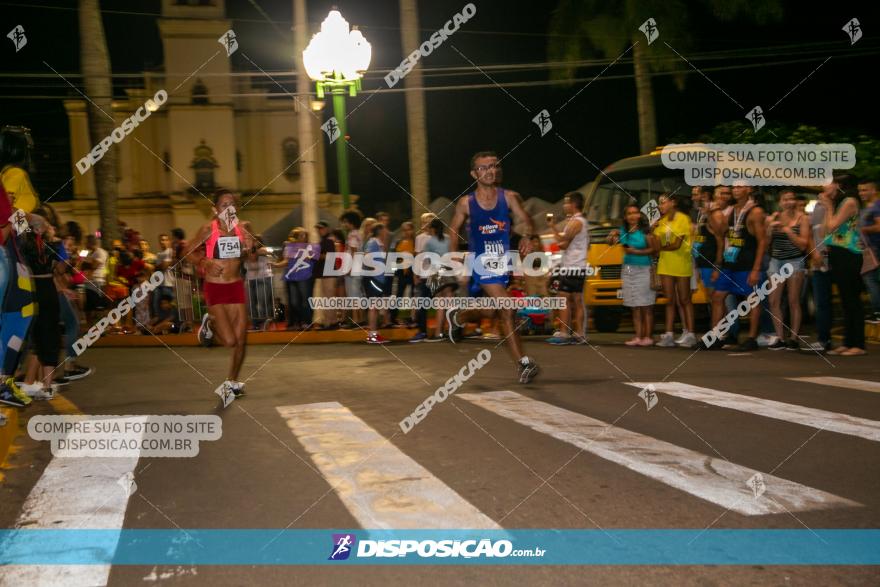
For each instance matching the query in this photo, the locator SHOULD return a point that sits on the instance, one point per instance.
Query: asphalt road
(495, 454)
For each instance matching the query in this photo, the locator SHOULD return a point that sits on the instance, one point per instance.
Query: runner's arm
(457, 222)
(757, 221)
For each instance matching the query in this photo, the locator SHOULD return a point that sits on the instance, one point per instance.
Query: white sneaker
(687, 341)
(38, 391)
(683, 337)
(666, 340)
(767, 339)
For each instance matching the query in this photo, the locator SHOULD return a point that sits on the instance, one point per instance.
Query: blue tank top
(489, 229)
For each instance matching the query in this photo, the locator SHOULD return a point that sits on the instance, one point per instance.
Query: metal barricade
(187, 297)
(261, 302)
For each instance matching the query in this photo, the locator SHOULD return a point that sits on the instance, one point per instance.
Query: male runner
(222, 244)
(489, 209)
(744, 246)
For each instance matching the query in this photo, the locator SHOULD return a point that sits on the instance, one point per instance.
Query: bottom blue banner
(440, 547)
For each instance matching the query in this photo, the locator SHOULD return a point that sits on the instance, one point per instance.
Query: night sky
(600, 122)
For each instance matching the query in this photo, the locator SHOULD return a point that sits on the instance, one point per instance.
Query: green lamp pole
(338, 88)
(336, 58)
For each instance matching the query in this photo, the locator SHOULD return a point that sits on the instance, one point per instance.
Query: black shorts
(570, 284)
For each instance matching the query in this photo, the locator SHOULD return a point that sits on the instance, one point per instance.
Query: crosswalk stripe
(856, 384)
(74, 493)
(381, 486)
(812, 417)
(714, 480)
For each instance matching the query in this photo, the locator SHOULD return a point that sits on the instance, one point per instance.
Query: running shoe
(730, 344)
(454, 328)
(647, 341)
(688, 340)
(439, 338)
(819, 347)
(17, 392)
(633, 342)
(791, 344)
(78, 372)
(766, 339)
(9, 398)
(61, 381)
(683, 337)
(205, 334)
(666, 340)
(528, 369)
(578, 339)
(38, 391)
(777, 345)
(489, 336)
(418, 337)
(750, 344)
(226, 393)
(376, 338)
(559, 339)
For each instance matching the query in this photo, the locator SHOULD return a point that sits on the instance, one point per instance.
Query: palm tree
(95, 64)
(579, 27)
(415, 111)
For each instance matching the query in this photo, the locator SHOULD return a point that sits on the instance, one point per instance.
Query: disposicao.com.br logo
(345, 544)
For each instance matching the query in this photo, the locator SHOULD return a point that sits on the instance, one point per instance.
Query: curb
(8, 432)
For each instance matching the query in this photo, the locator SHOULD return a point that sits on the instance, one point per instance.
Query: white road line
(74, 494)
(714, 480)
(855, 384)
(380, 485)
(768, 408)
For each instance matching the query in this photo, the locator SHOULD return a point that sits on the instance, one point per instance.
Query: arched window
(199, 92)
(290, 157)
(203, 165)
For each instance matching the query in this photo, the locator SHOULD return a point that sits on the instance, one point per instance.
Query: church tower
(200, 113)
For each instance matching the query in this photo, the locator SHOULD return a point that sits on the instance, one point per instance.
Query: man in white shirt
(99, 257)
(574, 241)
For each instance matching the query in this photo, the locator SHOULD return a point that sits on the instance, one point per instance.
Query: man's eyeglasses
(484, 168)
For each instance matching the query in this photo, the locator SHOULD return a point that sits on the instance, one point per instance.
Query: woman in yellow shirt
(673, 238)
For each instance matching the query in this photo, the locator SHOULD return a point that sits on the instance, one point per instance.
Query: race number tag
(493, 260)
(229, 247)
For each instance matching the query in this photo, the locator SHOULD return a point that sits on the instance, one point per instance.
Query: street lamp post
(335, 59)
